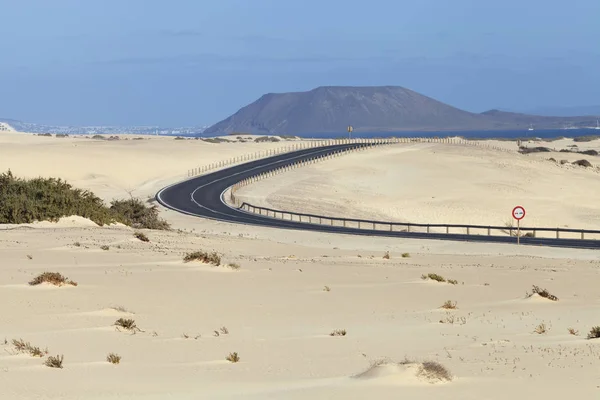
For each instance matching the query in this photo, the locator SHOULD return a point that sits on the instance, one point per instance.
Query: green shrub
(25, 201)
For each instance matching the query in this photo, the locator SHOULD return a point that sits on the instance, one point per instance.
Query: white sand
(277, 313)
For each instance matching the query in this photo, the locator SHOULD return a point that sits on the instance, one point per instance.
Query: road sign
(518, 213)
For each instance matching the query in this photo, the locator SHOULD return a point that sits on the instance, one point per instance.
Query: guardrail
(373, 225)
(330, 142)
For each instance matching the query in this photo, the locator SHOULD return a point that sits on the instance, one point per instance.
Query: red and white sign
(518, 213)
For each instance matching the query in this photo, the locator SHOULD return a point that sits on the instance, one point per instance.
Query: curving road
(202, 197)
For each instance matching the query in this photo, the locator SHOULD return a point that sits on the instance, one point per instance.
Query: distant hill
(566, 111)
(370, 109)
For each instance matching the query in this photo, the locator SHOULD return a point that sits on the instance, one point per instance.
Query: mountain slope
(368, 109)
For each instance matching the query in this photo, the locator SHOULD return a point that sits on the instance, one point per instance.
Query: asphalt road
(201, 197)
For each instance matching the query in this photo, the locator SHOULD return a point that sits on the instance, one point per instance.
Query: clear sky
(194, 62)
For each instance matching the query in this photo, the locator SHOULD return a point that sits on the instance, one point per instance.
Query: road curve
(202, 197)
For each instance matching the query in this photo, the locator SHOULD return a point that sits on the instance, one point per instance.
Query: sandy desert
(289, 295)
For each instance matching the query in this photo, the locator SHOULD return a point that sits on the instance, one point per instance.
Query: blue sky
(194, 62)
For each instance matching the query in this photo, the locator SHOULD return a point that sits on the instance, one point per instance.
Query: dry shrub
(104, 247)
(434, 371)
(327, 289)
(53, 278)
(452, 319)
(405, 255)
(141, 236)
(202, 256)
(543, 293)
(234, 266)
(594, 333)
(541, 329)
(54, 362)
(386, 256)
(233, 357)
(127, 324)
(573, 332)
(453, 281)
(449, 305)
(338, 332)
(25, 347)
(113, 358)
(434, 277)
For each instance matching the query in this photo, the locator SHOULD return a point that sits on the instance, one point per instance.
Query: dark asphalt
(201, 197)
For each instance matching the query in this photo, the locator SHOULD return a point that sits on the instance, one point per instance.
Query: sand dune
(276, 309)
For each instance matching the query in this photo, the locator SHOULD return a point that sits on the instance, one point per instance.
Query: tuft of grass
(449, 305)
(121, 309)
(25, 347)
(543, 293)
(53, 278)
(573, 332)
(202, 256)
(141, 236)
(338, 332)
(233, 357)
(54, 361)
(113, 358)
(127, 324)
(224, 330)
(77, 244)
(234, 266)
(434, 371)
(453, 281)
(541, 329)
(386, 256)
(434, 277)
(405, 255)
(452, 319)
(104, 247)
(327, 289)
(594, 333)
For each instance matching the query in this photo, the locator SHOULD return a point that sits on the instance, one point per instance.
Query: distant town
(94, 130)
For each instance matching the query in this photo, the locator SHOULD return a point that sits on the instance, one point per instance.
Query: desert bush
(104, 247)
(386, 256)
(434, 277)
(573, 332)
(233, 357)
(61, 135)
(234, 266)
(528, 150)
(133, 212)
(127, 324)
(54, 362)
(405, 255)
(563, 162)
(589, 152)
(98, 137)
(25, 347)
(141, 236)
(594, 333)
(582, 163)
(113, 358)
(588, 138)
(543, 293)
(449, 305)
(24, 201)
(453, 281)
(434, 371)
(264, 139)
(54, 278)
(541, 329)
(45, 134)
(327, 289)
(77, 244)
(202, 256)
(215, 140)
(338, 332)
(453, 319)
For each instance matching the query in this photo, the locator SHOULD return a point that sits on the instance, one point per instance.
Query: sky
(194, 62)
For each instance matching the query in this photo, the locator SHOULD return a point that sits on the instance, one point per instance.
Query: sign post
(518, 213)
(350, 129)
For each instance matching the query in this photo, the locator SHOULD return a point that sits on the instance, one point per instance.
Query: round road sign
(518, 213)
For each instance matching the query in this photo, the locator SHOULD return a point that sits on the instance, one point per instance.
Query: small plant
(105, 247)
(449, 305)
(540, 329)
(327, 289)
(543, 293)
(453, 281)
(234, 266)
(53, 278)
(141, 236)
(434, 371)
(405, 255)
(224, 330)
(434, 277)
(29, 256)
(77, 244)
(127, 324)
(452, 319)
(386, 256)
(338, 332)
(573, 332)
(54, 362)
(25, 347)
(594, 333)
(121, 309)
(202, 256)
(113, 358)
(233, 357)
